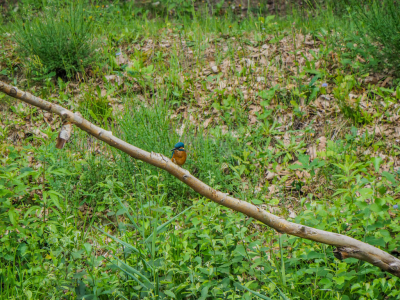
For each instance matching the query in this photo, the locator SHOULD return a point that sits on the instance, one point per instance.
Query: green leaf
(28, 294)
(88, 248)
(380, 201)
(339, 280)
(257, 201)
(361, 204)
(131, 271)
(162, 226)
(24, 174)
(4, 191)
(274, 201)
(377, 162)
(54, 198)
(26, 169)
(204, 293)
(375, 207)
(390, 177)
(314, 79)
(269, 18)
(119, 241)
(295, 167)
(170, 294)
(77, 254)
(267, 95)
(276, 39)
(238, 285)
(313, 71)
(365, 193)
(59, 171)
(127, 213)
(375, 241)
(30, 210)
(93, 115)
(240, 249)
(121, 211)
(13, 216)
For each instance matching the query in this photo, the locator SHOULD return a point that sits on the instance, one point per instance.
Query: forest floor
(275, 111)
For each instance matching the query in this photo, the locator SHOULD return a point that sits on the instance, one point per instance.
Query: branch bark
(346, 246)
(64, 135)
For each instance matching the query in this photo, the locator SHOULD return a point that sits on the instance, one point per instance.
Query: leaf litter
(241, 67)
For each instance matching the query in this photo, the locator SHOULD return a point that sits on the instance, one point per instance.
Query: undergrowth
(270, 111)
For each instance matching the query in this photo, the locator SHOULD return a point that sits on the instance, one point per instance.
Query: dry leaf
(385, 81)
(312, 151)
(114, 78)
(207, 122)
(272, 189)
(322, 144)
(253, 119)
(270, 175)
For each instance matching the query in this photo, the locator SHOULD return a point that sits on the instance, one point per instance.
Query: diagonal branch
(346, 246)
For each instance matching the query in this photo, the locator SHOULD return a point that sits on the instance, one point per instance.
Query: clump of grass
(378, 24)
(96, 107)
(58, 40)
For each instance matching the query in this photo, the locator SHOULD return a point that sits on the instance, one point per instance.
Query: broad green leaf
(54, 198)
(377, 162)
(390, 177)
(30, 210)
(375, 207)
(88, 248)
(13, 216)
(170, 294)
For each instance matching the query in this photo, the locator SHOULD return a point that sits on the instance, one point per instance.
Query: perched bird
(179, 154)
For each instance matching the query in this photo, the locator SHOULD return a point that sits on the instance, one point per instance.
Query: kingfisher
(179, 154)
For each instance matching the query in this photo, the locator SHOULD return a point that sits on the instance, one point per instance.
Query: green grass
(91, 222)
(58, 41)
(377, 26)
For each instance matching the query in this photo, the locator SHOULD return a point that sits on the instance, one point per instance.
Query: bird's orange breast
(179, 157)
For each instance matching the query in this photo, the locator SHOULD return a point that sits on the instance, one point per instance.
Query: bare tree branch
(346, 246)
